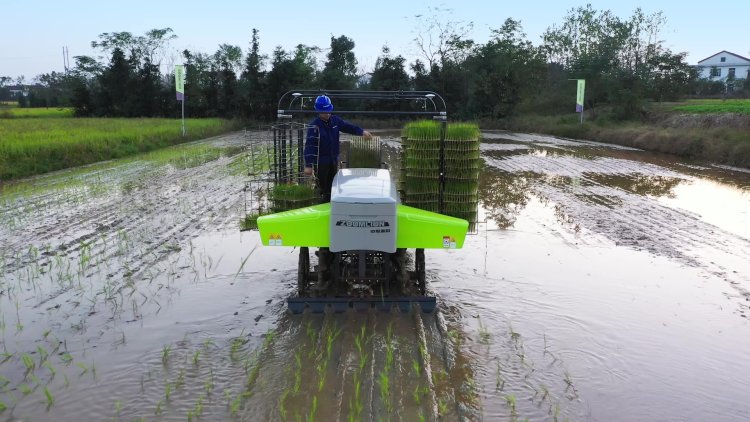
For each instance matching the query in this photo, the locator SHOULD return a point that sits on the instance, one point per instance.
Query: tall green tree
(115, 83)
(252, 88)
(291, 71)
(228, 58)
(340, 70)
(504, 71)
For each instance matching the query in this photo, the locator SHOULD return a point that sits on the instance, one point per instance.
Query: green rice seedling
(416, 367)
(484, 333)
(282, 404)
(234, 406)
(244, 261)
(158, 411)
(43, 353)
(384, 383)
(28, 362)
(49, 396)
(499, 380)
(198, 408)
(196, 357)
(180, 381)
(355, 404)
(3, 406)
(313, 409)
(330, 338)
(568, 380)
(297, 371)
(510, 400)
(312, 335)
(545, 392)
(25, 389)
(167, 391)
(442, 407)
(49, 366)
(514, 335)
(165, 354)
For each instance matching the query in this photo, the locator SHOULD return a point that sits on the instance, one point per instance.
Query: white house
(724, 65)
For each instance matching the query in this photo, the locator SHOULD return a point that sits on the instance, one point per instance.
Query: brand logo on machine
(362, 224)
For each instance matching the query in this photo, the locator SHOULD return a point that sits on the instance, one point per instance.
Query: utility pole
(66, 59)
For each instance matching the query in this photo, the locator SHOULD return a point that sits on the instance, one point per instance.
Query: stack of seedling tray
(364, 152)
(421, 165)
(421, 168)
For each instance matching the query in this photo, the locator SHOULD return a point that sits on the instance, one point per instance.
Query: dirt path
(606, 284)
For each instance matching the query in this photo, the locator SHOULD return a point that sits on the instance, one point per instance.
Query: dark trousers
(325, 174)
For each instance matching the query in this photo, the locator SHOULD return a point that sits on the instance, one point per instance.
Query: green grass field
(16, 112)
(31, 146)
(714, 106)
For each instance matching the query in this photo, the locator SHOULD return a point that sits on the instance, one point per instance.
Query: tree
(115, 87)
(150, 46)
(444, 45)
(439, 40)
(671, 77)
(340, 70)
(290, 71)
(389, 73)
(228, 58)
(251, 85)
(504, 71)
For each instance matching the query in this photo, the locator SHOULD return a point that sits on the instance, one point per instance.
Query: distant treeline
(623, 60)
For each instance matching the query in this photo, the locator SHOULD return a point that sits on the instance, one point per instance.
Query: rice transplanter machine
(364, 233)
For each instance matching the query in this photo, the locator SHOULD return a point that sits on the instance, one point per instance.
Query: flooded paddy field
(603, 284)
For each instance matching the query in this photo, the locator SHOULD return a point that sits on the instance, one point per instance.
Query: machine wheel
(419, 268)
(303, 270)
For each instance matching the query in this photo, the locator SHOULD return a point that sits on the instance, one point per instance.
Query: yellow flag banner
(579, 98)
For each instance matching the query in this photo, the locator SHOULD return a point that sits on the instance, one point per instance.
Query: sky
(36, 31)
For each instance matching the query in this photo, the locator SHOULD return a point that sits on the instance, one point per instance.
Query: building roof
(727, 52)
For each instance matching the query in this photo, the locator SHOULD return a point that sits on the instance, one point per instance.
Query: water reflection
(641, 184)
(503, 195)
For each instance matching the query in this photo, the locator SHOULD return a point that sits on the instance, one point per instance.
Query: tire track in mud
(618, 199)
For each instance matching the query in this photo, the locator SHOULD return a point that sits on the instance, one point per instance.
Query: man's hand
(308, 171)
(367, 134)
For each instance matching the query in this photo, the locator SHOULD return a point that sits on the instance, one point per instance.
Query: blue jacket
(328, 151)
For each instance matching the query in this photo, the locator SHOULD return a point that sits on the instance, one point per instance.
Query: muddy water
(604, 284)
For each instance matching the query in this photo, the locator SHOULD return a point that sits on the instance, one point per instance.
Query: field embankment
(719, 137)
(38, 145)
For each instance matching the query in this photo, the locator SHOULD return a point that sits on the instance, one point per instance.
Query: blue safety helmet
(323, 103)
